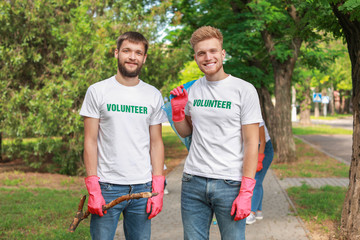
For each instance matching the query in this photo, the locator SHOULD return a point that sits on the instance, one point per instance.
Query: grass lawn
(320, 209)
(42, 206)
(331, 117)
(175, 151)
(319, 130)
(40, 213)
(310, 163)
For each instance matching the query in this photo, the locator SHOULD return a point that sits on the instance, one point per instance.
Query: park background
(52, 51)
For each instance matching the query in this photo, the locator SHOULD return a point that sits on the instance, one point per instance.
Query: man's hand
(178, 103)
(242, 204)
(260, 160)
(96, 200)
(155, 204)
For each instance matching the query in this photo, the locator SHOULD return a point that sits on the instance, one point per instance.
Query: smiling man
(222, 113)
(123, 147)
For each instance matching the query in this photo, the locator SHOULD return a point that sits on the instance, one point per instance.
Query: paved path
(314, 182)
(335, 146)
(279, 222)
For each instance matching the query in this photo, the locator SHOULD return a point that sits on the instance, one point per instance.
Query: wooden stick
(79, 216)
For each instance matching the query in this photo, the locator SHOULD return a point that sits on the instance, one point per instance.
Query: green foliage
(40, 214)
(243, 26)
(352, 7)
(51, 52)
(190, 72)
(46, 154)
(318, 204)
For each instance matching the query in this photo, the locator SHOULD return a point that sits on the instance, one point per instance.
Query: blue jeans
(200, 199)
(256, 201)
(136, 224)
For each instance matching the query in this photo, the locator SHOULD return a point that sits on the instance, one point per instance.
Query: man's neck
(220, 75)
(127, 81)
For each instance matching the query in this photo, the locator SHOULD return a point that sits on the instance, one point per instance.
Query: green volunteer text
(212, 103)
(126, 108)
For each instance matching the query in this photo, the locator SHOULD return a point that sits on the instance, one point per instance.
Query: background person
(266, 155)
(123, 147)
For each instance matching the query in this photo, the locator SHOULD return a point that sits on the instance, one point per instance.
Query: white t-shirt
(218, 110)
(125, 115)
(267, 136)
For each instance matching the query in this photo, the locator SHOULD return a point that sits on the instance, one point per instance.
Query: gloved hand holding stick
(79, 216)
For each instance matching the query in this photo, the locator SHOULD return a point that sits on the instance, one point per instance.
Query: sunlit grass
(319, 130)
(320, 204)
(331, 117)
(310, 163)
(170, 139)
(40, 214)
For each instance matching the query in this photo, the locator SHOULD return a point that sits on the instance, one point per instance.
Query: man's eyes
(211, 51)
(139, 53)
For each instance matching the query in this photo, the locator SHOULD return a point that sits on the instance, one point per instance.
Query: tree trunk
(347, 102)
(316, 110)
(343, 103)
(283, 130)
(350, 217)
(305, 107)
(1, 147)
(331, 103)
(267, 110)
(283, 70)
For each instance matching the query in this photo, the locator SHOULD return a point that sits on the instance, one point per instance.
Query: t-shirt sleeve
(159, 115)
(250, 106)
(90, 105)
(187, 106)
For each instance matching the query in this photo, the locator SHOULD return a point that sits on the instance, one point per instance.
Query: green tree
(263, 41)
(348, 14)
(313, 71)
(51, 51)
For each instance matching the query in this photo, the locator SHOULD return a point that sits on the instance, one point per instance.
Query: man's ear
(145, 58)
(116, 53)
(195, 58)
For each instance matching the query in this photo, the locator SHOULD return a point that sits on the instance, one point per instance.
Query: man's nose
(207, 56)
(132, 55)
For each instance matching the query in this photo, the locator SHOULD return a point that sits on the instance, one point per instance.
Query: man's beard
(126, 73)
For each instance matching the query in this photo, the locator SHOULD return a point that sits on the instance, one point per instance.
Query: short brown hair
(205, 33)
(133, 37)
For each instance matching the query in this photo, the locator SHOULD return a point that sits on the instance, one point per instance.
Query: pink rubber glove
(178, 103)
(155, 204)
(242, 203)
(96, 200)
(260, 160)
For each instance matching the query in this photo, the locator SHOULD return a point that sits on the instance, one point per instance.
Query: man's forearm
(250, 160)
(157, 154)
(251, 145)
(184, 127)
(157, 158)
(90, 158)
